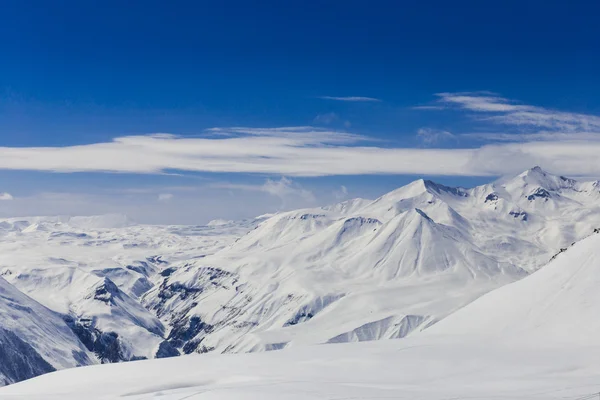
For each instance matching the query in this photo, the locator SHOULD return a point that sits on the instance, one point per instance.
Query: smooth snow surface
(413, 368)
(558, 304)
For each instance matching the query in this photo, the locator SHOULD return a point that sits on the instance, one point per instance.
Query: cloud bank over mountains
(309, 152)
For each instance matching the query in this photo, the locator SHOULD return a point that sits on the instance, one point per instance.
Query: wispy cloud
(351, 98)
(286, 187)
(501, 110)
(430, 136)
(6, 196)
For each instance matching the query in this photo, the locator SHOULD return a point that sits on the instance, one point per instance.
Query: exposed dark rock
(141, 268)
(170, 290)
(311, 216)
(156, 260)
(19, 360)
(423, 214)
(107, 292)
(562, 250)
(491, 197)
(186, 329)
(167, 271)
(519, 214)
(165, 350)
(195, 346)
(302, 316)
(539, 193)
(105, 345)
(436, 187)
(208, 278)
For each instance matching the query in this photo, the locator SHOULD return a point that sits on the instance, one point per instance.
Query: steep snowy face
(108, 321)
(557, 304)
(34, 340)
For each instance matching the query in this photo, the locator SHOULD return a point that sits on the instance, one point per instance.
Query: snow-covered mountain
(93, 270)
(367, 270)
(33, 339)
(354, 271)
(536, 338)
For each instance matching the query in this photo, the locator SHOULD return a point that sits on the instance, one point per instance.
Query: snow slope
(559, 304)
(415, 368)
(34, 340)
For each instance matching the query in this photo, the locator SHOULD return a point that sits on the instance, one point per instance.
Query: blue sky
(379, 93)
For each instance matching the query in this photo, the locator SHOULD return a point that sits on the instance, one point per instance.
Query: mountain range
(425, 258)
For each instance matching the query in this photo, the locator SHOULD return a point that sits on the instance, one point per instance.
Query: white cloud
(300, 151)
(535, 136)
(165, 197)
(284, 188)
(341, 194)
(431, 136)
(504, 111)
(6, 196)
(351, 98)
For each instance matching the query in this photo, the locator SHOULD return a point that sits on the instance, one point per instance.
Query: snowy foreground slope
(412, 369)
(532, 339)
(354, 271)
(559, 304)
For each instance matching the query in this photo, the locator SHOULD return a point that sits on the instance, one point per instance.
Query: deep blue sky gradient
(77, 72)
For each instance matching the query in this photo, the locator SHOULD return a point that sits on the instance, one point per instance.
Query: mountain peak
(540, 178)
(537, 168)
(536, 171)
